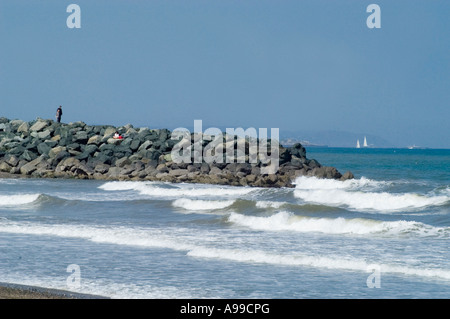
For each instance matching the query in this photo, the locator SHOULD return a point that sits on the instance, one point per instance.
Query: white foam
(116, 235)
(177, 190)
(104, 287)
(16, 200)
(329, 262)
(200, 205)
(286, 221)
(309, 183)
(180, 241)
(370, 201)
(348, 194)
(269, 204)
(120, 186)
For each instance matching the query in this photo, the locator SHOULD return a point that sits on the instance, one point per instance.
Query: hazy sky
(293, 65)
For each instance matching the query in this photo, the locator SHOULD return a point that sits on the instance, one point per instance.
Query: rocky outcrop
(44, 148)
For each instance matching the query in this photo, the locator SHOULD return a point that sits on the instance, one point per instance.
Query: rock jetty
(47, 149)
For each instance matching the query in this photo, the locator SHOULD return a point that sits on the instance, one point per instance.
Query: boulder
(298, 150)
(23, 128)
(18, 150)
(11, 160)
(80, 137)
(28, 155)
(30, 167)
(5, 127)
(178, 172)
(38, 126)
(43, 148)
(114, 141)
(134, 145)
(347, 175)
(67, 164)
(44, 135)
(95, 139)
(325, 172)
(109, 132)
(101, 168)
(4, 167)
(123, 161)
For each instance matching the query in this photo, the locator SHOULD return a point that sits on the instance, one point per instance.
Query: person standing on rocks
(59, 114)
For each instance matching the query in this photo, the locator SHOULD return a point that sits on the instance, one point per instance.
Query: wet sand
(14, 291)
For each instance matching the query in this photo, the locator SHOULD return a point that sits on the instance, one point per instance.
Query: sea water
(384, 234)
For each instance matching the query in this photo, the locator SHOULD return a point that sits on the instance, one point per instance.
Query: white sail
(365, 142)
(357, 144)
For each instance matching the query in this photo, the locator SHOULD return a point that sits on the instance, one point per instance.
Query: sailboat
(365, 142)
(357, 144)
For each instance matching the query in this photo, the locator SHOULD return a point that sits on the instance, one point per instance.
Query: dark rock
(3, 120)
(347, 175)
(28, 155)
(285, 155)
(325, 172)
(313, 163)
(103, 158)
(30, 167)
(18, 150)
(5, 167)
(102, 168)
(80, 137)
(298, 150)
(11, 160)
(43, 148)
(74, 147)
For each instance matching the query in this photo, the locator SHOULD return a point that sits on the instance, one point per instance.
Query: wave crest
(360, 195)
(200, 205)
(286, 221)
(178, 190)
(18, 200)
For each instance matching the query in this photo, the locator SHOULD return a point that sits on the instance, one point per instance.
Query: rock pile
(47, 149)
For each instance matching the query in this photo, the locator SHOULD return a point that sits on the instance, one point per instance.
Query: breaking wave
(178, 240)
(177, 190)
(18, 200)
(286, 221)
(334, 262)
(361, 194)
(196, 205)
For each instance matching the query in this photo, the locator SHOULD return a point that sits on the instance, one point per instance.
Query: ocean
(384, 234)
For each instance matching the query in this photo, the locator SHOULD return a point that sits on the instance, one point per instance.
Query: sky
(294, 65)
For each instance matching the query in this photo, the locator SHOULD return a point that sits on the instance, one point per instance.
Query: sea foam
(177, 190)
(329, 262)
(16, 200)
(200, 205)
(286, 221)
(360, 195)
(179, 240)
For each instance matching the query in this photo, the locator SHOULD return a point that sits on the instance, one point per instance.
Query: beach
(380, 235)
(14, 291)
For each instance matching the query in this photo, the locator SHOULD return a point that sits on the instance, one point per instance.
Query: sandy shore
(14, 291)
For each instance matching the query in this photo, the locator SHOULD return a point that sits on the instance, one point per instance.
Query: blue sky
(292, 65)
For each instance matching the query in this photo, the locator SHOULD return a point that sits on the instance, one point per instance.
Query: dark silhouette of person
(59, 114)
